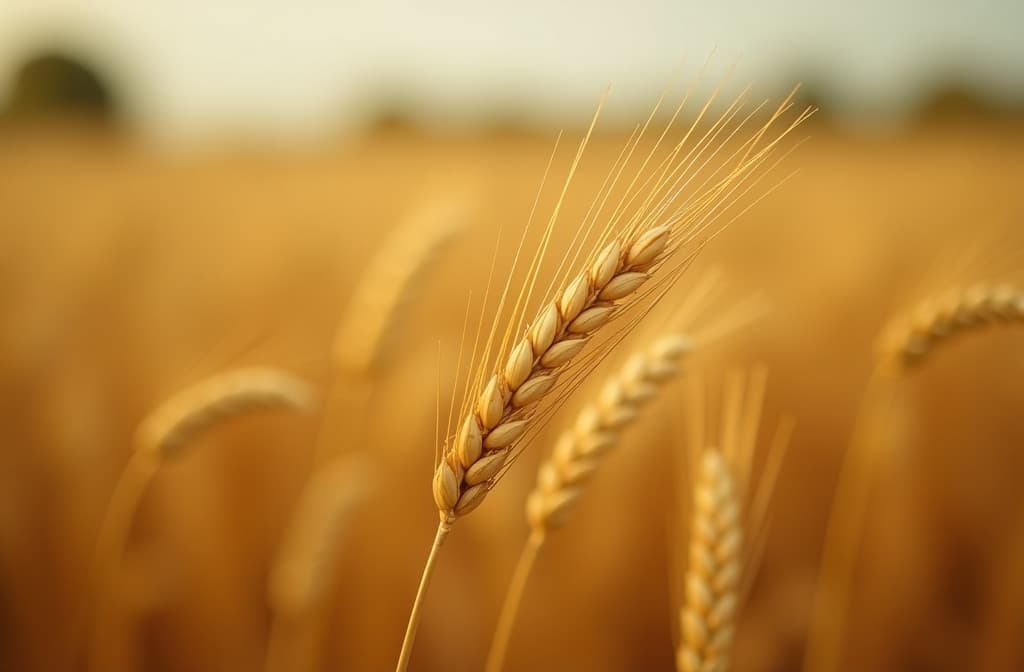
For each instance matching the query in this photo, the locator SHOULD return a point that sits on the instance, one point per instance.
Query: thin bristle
(176, 422)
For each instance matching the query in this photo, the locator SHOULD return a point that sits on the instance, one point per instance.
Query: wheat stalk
(303, 571)
(712, 584)
(905, 346)
(162, 436)
(520, 369)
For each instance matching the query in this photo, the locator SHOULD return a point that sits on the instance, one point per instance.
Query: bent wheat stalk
(162, 436)
(905, 347)
(504, 403)
(303, 571)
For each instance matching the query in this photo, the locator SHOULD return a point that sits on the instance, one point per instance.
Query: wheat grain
(714, 568)
(938, 319)
(178, 420)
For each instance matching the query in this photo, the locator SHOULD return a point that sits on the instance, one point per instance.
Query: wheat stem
(304, 570)
(162, 436)
(110, 544)
(845, 528)
(443, 528)
(514, 597)
(292, 645)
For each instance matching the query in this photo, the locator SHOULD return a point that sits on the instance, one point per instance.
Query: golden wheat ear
(376, 317)
(713, 569)
(727, 523)
(162, 436)
(627, 268)
(670, 211)
(906, 345)
(580, 451)
(372, 322)
(303, 572)
(938, 319)
(180, 419)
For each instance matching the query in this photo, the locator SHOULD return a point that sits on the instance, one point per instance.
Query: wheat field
(131, 273)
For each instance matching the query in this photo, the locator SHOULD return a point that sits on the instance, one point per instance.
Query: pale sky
(306, 67)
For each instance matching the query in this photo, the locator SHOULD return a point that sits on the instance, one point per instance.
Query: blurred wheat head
(731, 485)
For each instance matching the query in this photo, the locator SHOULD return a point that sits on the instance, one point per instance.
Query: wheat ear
(176, 422)
(938, 319)
(369, 329)
(578, 453)
(391, 282)
(161, 436)
(303, 571)
(503, 404)
(714, 569)
(728, 513)
(580, 450)
(905, 346)
(501, 413)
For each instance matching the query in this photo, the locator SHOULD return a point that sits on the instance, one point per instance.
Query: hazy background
(294, 70)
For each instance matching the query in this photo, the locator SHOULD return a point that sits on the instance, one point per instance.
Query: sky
(305, 67)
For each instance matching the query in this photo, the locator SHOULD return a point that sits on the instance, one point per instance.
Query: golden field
(130, 273)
